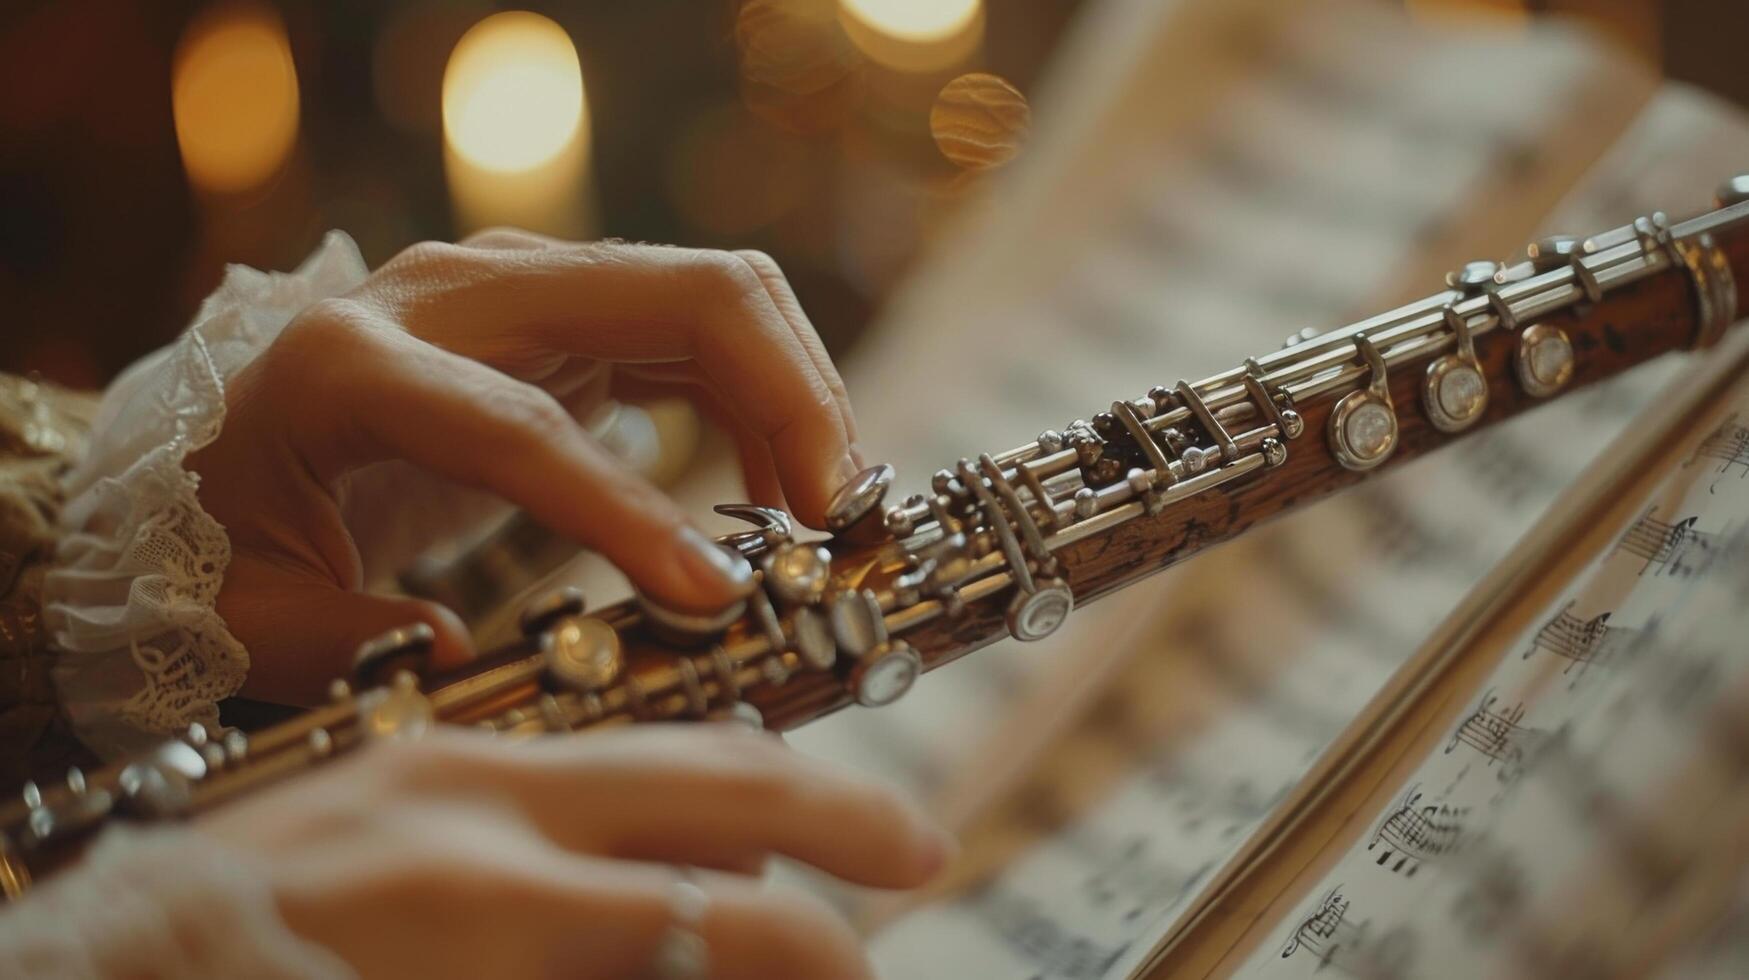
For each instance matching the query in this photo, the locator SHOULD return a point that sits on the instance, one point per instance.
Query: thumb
(301, 636)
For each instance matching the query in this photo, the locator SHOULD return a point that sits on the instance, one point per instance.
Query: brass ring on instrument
(1715, 287)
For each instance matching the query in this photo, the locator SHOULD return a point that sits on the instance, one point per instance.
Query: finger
(758, 469)
(506, 237)
(754, 933)
(508, 904)
(784, 298)
(679, 793)
(554, 373)
(613, 918)
(302, 633)
(635, 304)
(382, 394)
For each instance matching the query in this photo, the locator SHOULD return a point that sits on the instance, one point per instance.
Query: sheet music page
(1226, 707)
(1238, 696)
(1598, 772)
(1258, 168)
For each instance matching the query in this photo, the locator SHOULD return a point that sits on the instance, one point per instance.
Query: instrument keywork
(1545, 359)
(1007, 544)
(1363, 427)
(1456, 392)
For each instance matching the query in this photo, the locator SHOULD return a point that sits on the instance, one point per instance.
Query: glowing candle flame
(513, 93)
(234, 99)
(914, 35)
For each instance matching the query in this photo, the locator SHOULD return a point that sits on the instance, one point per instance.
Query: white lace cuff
(130, 597)
(157, 903)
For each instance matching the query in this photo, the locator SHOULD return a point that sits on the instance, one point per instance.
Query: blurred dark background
(148, 142)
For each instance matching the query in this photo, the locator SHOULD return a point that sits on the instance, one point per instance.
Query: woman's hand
(458, 856)
(472, 362)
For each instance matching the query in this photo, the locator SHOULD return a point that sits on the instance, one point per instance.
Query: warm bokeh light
(516, 133)
(798, 69)
(513, 93)
(234, 97)
(914, 20)
(914, 35)
(979, 121)
(792, 45)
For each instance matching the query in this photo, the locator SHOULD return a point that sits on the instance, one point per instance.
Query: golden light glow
(914, 20)
(914, 35)
(234, 98)
(513, 93)
(979, 121)
(794, 46)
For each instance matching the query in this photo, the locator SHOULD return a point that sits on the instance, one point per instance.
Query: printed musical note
(1726, 447)
(1675, 549)
(1582, 642)
(1499, 736)
(1685, 552)
(1318, 933)
(1334, 940)
(1486, 730)
(1412, 833)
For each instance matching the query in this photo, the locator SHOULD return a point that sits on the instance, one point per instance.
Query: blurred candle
(515, 127)
(914, 35)
(234, 99)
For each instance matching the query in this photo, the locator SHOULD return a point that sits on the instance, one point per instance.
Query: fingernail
(712, 568)
(848, 468)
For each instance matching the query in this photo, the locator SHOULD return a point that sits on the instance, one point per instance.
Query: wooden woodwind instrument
(1006, 545)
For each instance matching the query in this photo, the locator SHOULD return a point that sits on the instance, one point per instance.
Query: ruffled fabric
(131, 596)
(158, 903)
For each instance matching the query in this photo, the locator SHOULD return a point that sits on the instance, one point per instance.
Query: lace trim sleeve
(158, 903)
(130, 598)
